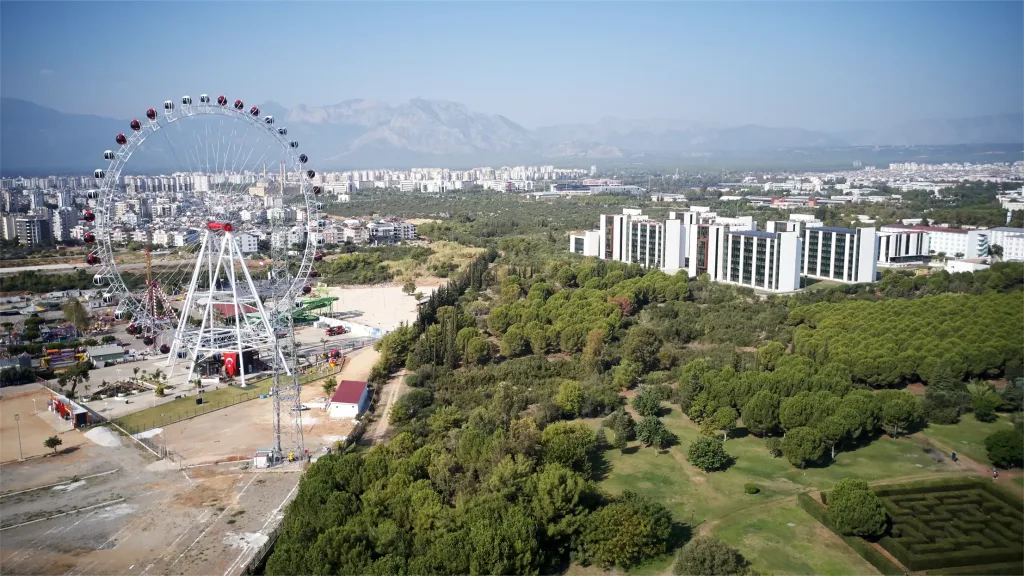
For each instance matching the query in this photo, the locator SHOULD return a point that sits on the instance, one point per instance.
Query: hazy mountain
(369, 133)
(1000, 129)
(34, 138)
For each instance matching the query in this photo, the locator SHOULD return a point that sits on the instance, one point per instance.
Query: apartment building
(902, 247)
(1010, 239)
(64, 219)
(842, 254)
(586, 244)
(33, 230)
(762, 260)
(950, 242)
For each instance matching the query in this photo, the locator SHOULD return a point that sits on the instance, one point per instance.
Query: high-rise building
(33, 230)
(64, 219)
(36, 199)
(841, 254)
(65, 199)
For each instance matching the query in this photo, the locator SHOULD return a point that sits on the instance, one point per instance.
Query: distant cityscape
(171, 209)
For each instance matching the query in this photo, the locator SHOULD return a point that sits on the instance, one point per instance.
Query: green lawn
(176, 410)
(717, 501)
(768, 540)
(966, 437)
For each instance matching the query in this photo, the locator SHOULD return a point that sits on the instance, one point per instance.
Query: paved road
(71, 267)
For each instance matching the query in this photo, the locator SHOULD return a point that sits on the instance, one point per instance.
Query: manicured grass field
(967, 436)
(773, 546)
(182, 408)
(718, 504)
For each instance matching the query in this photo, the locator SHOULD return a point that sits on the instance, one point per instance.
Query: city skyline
(834, 66)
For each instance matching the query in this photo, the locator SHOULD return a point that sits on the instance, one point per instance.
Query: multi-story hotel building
(761, 260)
(841, 254)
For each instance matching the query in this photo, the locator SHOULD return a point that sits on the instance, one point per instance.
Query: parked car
(335, 330)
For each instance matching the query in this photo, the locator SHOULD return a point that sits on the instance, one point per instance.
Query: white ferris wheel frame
(104, 209)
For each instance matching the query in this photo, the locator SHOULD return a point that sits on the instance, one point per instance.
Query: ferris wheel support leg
(232, 251)
(187, 308)
(207, 321)
(263, 317)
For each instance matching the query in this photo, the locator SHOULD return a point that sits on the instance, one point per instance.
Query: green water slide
(305, 312)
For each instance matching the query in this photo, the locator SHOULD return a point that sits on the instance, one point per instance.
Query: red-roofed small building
(349, 400)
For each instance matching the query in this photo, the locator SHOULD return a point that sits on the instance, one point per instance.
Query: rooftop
(349, 392)
(754, 233)
(104, 350)
(835, 229)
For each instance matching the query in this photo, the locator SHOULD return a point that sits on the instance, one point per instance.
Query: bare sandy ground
(34, 428)
(116, 512)
(239, 430)
(384, 306)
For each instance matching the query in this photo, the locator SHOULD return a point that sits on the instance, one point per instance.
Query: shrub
(751, 488)
(1005, 449)
(627, 531)
(159, 390)
(707, 453)
(774, 446)
(413, 380)
(709, 555)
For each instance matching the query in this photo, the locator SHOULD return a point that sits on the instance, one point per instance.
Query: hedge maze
(952, 525)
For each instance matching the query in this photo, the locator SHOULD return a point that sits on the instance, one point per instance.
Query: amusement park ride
(226, 316)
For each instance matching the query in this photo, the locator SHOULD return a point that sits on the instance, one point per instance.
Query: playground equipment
(56, 360)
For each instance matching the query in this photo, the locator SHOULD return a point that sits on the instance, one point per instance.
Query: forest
(516, 372)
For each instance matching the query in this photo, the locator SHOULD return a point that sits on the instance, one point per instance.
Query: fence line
(155, 449)
(264, 551)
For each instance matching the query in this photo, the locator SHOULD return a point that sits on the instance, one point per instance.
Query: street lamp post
(17, 422)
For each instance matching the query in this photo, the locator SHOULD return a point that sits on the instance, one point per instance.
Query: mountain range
(367, 133)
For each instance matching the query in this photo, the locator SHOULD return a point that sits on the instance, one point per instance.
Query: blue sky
(820, 65)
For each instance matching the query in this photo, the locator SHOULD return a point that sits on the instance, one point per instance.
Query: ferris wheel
(190, 184)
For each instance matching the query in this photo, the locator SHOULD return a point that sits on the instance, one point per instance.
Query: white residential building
(247, 243)
(586, 244)
(184, 237)
(1011, 240)
(902, 247)
(64, 219)
(841, 254)
(762, 260)
(950, 242)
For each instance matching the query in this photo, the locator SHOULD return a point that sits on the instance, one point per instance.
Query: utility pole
(17, 422)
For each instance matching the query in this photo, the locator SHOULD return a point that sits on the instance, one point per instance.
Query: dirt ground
(238, 431)
(34, 427)
(391, 392)
(383, 306)
(115, 511)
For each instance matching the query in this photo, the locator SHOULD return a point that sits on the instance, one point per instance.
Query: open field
(123, 514)
(384, 306)
(446, 255)
(756, 523)
(786, 540)
(34, 427)
(966, 437)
